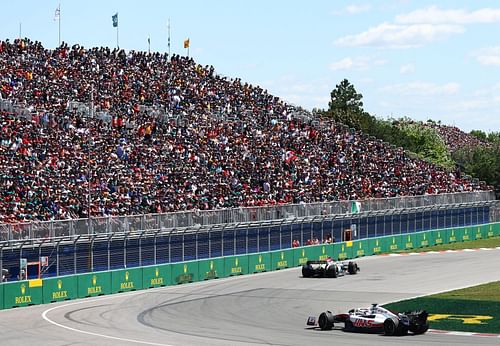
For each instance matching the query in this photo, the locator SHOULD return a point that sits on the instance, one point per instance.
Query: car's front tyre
(325, 320)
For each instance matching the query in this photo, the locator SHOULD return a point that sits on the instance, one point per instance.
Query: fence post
(74, 254)
(109, 250)
(140, 248)
(92, 253)
(125, 249)
(154, 246)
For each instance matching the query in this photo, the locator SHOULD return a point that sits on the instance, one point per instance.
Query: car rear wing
(317, 262)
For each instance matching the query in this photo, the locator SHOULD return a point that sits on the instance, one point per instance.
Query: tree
(346, 106)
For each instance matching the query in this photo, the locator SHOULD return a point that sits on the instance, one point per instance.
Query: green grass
(489, 292)
(473, 244)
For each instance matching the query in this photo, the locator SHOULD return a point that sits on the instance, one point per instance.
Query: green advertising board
(394, 243)
(282, 259)
(156, 276)
(361, 248)
(94, 284)
(124, 280)
(441, 237)
(342, 251)
(184, 272)
(496, 229)
(493, 230)
(236, 265)
(409, 241)
(212, 268)
(259, 262)
(22, 293)
(424, 239)
(377, 246)
(60, 288)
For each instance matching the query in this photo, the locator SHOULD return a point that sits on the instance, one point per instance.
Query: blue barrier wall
(231, 241)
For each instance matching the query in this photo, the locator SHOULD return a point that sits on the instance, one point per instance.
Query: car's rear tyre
(307, 271)
(325, 320)
(352, 268)
(331, 271)
(420, 329)
(391, 326)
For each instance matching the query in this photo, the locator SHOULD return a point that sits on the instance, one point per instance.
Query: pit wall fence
(48, 290)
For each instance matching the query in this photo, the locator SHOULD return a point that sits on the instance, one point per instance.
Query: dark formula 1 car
(328, 268)
(375, 320)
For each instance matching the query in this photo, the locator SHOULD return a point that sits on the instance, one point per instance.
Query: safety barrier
(38, 291)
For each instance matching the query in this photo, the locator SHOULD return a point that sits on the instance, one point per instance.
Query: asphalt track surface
(261, 309)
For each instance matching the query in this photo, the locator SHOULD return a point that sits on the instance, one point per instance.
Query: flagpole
(117, 44)
(20, 25)
(169, 37)
(59, 25)
(149, 44)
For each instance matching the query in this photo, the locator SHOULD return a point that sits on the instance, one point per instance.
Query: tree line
(481, 162)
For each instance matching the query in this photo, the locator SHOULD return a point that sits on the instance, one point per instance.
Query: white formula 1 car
(374, 320)
(328, 268)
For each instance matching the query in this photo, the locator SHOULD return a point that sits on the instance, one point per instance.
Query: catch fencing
(97, 252)
(197, 218)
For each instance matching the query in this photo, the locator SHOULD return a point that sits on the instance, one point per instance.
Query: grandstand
(104, 132)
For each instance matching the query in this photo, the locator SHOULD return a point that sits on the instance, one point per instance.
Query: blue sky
(423, 59)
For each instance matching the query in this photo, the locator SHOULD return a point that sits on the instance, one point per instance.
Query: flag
(115, 20)
(355, 207)
(57, 14)
(186, 43)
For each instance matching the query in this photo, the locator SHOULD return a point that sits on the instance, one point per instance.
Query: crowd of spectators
(454, 138)
(217, 143)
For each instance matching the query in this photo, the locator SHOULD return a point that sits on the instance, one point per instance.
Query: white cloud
(400, 36)
(407, 68)
(488, 56)
(422, 89)
(357, 63)
(435, 15)
(355, 9)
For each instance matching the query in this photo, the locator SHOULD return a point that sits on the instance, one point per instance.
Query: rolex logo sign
(260, 266)
(282, 263)
(157, 280)
(211, 273)
(59, 294)
(128, 284)
(23, 298)
(94, 289)
(236, 269)
(185, 276)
